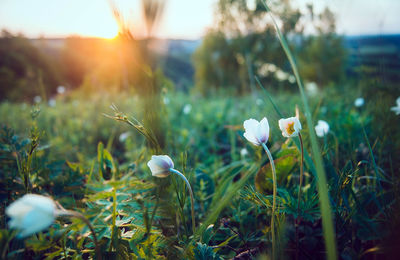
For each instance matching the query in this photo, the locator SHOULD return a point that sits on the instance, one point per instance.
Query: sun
(106, 30)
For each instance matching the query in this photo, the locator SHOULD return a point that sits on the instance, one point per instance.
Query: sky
(184, 19)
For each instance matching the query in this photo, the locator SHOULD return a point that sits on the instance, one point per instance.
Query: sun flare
(106, 30)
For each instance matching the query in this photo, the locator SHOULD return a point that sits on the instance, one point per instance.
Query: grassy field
(95, 165)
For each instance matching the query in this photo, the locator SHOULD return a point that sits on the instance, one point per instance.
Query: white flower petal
(396, 110)
(251, 138)
(322, 128)
(256, 132)
(160, 165)
(264, 127)
(359, 102)
(286, 123)
(35, 221)
(31, 213)
(250, 124)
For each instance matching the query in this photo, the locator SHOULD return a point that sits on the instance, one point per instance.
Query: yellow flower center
(290, 128)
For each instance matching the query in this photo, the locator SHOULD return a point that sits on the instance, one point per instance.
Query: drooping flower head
(256, 132)
(160, 165)
(396, 108)
(290, 127)
(31, 213)
(322, 128)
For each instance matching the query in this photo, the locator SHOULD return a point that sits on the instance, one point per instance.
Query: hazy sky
(182, 19)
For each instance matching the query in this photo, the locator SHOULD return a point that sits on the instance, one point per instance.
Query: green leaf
(286, 162)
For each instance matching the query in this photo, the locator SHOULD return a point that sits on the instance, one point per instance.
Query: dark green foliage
(204, 252)
(136, 215)
(25, 69)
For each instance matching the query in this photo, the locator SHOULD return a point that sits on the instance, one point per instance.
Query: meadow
(93, 164)
(130, 161)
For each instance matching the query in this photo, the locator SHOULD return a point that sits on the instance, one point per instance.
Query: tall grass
(327, 223)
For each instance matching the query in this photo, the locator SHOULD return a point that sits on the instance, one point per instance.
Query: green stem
(299, 197)
(78, 215)
(114, 218)
(326, 212)
(271, 160)
(190, 192)
(154, 211)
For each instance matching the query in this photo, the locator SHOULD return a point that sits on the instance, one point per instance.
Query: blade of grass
(327, 223)
(226, 199)
(371, 154)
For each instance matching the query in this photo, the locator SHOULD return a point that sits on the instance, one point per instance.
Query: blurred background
(202, 46)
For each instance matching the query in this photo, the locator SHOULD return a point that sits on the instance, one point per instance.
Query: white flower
(396, 108)
(359, 102)
(31, 213)
(37, 99)
(166, 100)
(259, 102)
(244, 152)
(52, 102)
(290, 127)
(60, 89)
(187, 108)
(312, 88)
(281, 75)
(160, 165)
(124, 136)
(256, 132)
(322, 128)
(251, 5)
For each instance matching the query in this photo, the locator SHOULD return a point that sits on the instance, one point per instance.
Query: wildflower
(322, 128)
(359, 102)
(166, 100)
(60, 89)
(396, 108)
(281, 75)
(290, 127)
(124, 136)
(31, 213)
(256, 132)
(37, 99)
(187, 108)
(251, 5)
(52, 102)
(312, 88)
(244, 152)
(160, 165)
(259, 102)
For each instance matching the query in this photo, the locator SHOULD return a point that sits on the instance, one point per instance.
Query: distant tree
(322, 57)
(243, 43)
(24, 70)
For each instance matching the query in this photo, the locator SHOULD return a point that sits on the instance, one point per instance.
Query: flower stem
(78, 215)
(271, 160)
(190, 192)
(297, 224)
(325, 205)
